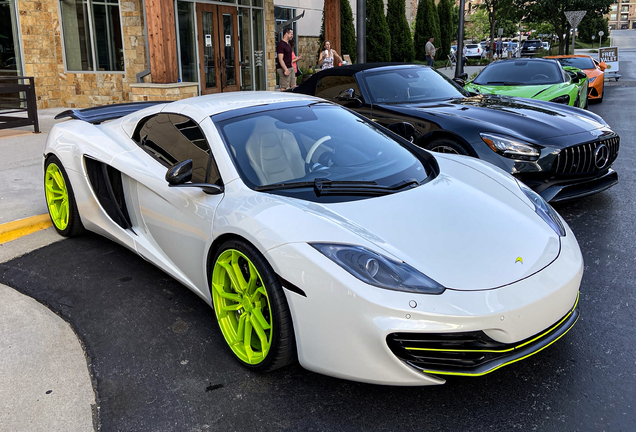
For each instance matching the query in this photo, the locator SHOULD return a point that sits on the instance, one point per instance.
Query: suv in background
(530, 47)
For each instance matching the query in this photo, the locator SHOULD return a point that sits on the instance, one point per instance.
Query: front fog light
(509, 147)
(377, 270)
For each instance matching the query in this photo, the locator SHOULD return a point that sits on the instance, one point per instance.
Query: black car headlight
(544, 210)
(565, 99)
(509, 147)
(377, 270)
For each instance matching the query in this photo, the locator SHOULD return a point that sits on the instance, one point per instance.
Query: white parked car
(474, 51)
(317, 235)
(546, 45)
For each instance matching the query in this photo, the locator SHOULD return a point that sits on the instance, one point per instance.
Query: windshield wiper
(324, 186)
(506, 83)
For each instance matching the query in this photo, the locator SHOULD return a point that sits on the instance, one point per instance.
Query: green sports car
(538, 78)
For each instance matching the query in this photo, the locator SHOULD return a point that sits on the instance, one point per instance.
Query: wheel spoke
(240, 330)
(226, 295)
(237, 271)
(259, 332)
(251, 286)
(59, 179)
(258, 315)
(247, 340)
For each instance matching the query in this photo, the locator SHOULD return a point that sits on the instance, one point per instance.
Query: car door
(176, 223)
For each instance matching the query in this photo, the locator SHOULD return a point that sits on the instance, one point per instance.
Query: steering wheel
(539, 76)
(313, 148)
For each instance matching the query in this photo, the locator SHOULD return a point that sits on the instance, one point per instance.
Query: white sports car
(316, 234)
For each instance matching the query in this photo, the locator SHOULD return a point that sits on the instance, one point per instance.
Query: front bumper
(342, 324)
(472, 353)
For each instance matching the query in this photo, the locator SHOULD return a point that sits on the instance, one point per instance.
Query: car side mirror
(581, 75)
(459, 81)
(349, 98)
(463, 76)
(602, 65)
(180, 174)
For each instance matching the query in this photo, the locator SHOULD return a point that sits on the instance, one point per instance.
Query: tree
(444, 11)
(479, 26)
(378, 36)
(591, 24)
(426, 26)
(455, 22)
(497, 11)
(553, 12)
(347, 31)
(401, 39)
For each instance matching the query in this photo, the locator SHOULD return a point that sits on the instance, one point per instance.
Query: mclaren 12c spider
(318, 235)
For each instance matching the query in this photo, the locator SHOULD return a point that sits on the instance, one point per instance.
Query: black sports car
(559, 151)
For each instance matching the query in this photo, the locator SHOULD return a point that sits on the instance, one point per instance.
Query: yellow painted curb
(16, 229)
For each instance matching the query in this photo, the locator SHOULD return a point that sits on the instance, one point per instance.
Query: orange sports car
(592, 68)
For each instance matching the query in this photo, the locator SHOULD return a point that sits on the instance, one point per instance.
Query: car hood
(523, 118)
(466, 229)
(545, 92)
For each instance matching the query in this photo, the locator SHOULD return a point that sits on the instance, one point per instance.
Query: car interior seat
(274, 153)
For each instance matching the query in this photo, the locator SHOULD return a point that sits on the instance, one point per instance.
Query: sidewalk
(45, 383)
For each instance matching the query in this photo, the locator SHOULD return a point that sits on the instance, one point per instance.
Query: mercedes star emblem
(601, 156)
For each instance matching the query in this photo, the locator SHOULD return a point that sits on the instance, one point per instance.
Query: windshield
(536, 44)
(409, 85)
(320, 142)
(520, 72)
(577, 62)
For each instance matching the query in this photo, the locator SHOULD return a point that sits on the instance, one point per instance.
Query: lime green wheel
(251, 308)
(60, 199)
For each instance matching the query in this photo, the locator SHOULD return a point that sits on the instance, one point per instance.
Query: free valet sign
(610, 57)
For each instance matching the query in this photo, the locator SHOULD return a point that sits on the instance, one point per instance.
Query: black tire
(446, 145)
(600, 100)
(74, 226)
(282, 349)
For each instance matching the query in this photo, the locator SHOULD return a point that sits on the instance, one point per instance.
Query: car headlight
(544, 210)
(377, 270)
(592, 79)
(512, 148)
(565, 99)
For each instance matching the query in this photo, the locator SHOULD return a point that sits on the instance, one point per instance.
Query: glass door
(218, 53)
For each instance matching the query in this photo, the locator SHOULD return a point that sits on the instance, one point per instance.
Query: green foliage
(347, 31)
(426, 25)
(378, 36)
(401, 39)
(444, 11)
(455, 22)
(479, 27)
(553, 12)
(591, 24)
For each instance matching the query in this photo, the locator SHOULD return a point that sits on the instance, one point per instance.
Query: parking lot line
(16, 229)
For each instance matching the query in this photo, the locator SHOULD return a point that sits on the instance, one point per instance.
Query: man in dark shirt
(284, 61)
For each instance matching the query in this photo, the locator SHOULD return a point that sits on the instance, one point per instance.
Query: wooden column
(162, 42)
(332, 23)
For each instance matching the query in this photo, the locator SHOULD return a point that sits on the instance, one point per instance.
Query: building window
(624, 8)
(623, 17)
(92, 35)
(614, 8)
(613, 17)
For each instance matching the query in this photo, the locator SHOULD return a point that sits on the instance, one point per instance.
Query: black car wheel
(446, 145)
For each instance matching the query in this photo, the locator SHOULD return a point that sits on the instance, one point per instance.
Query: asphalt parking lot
(159, 361)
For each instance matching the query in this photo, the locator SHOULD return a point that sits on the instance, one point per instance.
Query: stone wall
(308, 47)
(143, 92)
(270, 45)
(44, 58)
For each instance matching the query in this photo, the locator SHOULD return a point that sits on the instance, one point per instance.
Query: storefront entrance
(218, 54)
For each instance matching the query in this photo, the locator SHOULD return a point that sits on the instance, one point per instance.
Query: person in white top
(328, 57)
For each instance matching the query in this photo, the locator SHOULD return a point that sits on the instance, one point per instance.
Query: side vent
(107, 186)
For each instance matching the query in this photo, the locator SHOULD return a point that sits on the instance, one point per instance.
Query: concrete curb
(16, 229)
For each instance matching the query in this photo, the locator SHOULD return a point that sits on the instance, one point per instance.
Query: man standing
(511, 48)
(430, 51)
(284, 61)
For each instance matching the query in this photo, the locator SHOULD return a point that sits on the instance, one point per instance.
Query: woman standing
(295, 59)
(328, 57)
